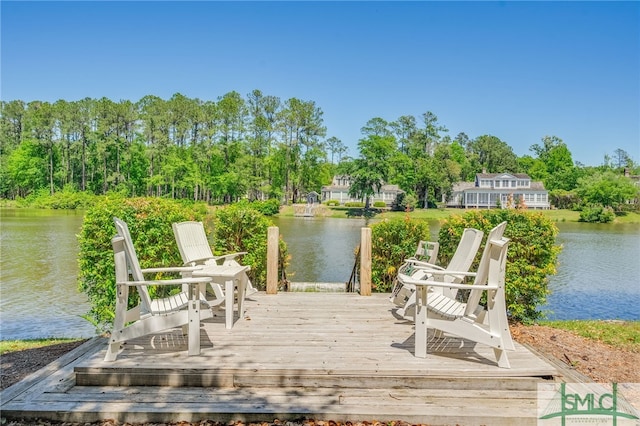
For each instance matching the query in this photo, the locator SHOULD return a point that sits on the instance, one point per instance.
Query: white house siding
(339, 190)
(487, 189)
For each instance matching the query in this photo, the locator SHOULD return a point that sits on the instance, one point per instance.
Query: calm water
(39, 268)
(598, 273)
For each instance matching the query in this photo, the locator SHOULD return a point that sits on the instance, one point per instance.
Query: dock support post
(365, 261)
(272, 259)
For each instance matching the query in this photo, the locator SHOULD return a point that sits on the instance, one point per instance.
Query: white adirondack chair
(460, 261)
(470, 320)
(195, 250)
(151, 315)
(427, 251)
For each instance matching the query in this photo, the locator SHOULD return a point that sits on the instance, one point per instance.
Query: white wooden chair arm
(429, 283)
(449, 272)
(177, 281)
(173, 269)
(230, 255)
(420, 264)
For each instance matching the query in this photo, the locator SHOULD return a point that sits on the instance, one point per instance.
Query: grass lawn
(620, 334)
(7, 346)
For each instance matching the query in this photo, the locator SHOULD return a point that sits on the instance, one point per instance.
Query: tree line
(257, 147)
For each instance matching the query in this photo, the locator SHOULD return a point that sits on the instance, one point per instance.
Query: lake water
(598, 271)
(38, 278)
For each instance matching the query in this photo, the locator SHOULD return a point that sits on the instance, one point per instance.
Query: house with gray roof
(492, 190)
(339, 190)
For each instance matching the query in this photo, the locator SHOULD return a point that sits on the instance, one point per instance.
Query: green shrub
(380, 204)
(597, 214)
(531, 258)
(268, 207)
(332, 203)
(241, 227)
(68, 198)
(354, 204)
(392, 242)
(149, 220)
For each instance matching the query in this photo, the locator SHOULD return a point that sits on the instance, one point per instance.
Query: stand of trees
(260, 147)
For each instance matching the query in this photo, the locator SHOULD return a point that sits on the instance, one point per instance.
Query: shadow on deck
(327, 356)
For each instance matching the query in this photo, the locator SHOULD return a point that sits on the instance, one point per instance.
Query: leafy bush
(268, 207)
(597, 214)
(405, 202)
(380, 204)
(354, 204)
(332, 203)
(149, 220)
(392, 242)
(531, 258)
(241, 227)
(68, 198)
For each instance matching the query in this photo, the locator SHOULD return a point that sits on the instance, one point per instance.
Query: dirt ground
(598, 361)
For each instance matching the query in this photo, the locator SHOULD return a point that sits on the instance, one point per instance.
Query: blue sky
(516, 70)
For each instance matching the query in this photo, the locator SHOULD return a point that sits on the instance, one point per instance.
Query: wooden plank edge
(89, 347)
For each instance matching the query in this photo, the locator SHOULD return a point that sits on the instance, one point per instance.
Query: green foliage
(379, 204)
(68, 198)
(597, 214)
(606, 188)
(268, 207)
(393, 241)
(359, 204)
(149, 220)
(241, 227)
(332, 203)
(372, 170)
(407, 202)
(564, 199)
(531, 258)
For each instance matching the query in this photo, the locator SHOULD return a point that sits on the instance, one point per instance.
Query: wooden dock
(324, 356)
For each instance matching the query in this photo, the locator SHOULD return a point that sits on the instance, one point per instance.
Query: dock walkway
(325, 356)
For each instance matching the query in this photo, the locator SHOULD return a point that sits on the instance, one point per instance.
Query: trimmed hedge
(149, 220)
(239, 227)
(531, 259)
(393, 241)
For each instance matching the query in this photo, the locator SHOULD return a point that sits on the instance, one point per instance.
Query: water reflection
(321, 249)
(598, 272)
(39, 270)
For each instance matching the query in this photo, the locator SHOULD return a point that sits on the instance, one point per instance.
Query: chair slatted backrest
(133, 264)
(427, 251)
(482, 274)
(192, 242)
(466, 251)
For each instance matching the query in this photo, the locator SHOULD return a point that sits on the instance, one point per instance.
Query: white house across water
(339, 191)
(492, 190)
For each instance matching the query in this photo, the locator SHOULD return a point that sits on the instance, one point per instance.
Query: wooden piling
(273, 235)
(365, 261)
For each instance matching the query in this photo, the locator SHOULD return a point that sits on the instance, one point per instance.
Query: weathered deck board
(323, 355)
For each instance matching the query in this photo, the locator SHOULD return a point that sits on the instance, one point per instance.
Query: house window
(471, 198)
(483, 199)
